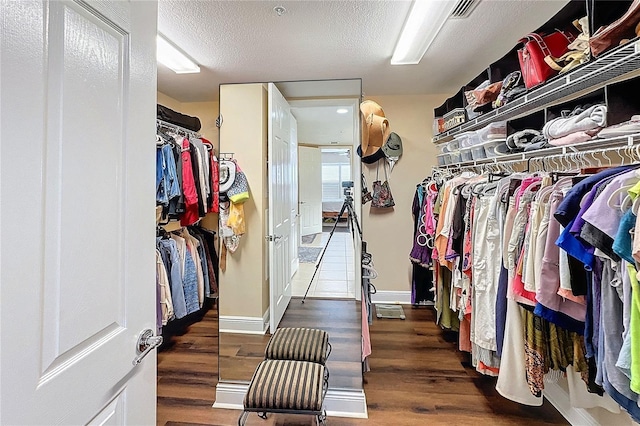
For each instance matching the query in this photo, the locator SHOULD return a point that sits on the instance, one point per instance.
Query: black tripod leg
(344, 206)
(354, 218)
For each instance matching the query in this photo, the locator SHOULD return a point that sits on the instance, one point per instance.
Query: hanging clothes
(422, 276)
(542, 275)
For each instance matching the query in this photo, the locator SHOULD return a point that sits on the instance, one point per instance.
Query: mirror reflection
(298, 155)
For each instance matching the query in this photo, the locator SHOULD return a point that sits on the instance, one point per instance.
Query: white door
(295, 217)
(77, 215)
(280, 178)
(310, 182)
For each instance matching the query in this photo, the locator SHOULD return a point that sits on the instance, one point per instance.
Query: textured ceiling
(245, 41)
(324, 126)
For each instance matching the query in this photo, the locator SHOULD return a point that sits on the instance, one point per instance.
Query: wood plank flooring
(240, 354)
(417, 377)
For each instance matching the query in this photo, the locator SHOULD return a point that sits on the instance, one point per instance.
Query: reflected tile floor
(335, 277)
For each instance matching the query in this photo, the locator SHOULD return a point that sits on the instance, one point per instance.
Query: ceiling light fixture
(422, 26)
(342, 110)
(171, 56)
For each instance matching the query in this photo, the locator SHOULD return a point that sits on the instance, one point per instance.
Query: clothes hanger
(635, 206)
(626, 201)
(597, 160)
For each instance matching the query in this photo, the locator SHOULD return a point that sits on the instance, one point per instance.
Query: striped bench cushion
(300, 344)
(286, 385)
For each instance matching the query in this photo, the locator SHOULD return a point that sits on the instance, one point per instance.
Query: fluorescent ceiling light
(174, 58)
(342, 111)
(422, 26)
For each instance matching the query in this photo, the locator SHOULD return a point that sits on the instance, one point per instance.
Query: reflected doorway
(245, 284)
(329, 246)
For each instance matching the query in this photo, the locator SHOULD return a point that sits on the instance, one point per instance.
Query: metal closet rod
(162, 123)
(595, 145)
(575, 159)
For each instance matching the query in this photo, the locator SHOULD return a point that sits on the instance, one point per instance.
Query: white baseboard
(244, 325)
(559, 398)
(392, 297)
(346, 403)
(230, 395)
(338, 403)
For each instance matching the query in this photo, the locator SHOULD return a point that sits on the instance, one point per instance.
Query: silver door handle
(146, 343)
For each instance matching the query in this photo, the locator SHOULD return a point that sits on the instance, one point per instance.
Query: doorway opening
(331, 250)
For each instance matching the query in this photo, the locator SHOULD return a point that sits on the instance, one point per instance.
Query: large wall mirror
(322, 177)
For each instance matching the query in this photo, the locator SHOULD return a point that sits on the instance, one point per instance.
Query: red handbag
(535, 48)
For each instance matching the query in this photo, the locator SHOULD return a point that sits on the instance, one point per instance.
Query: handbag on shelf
(624, 28)
(484, 97)
(535, 48)
(382, 197)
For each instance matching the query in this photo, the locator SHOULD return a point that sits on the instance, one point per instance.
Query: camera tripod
(352, 220)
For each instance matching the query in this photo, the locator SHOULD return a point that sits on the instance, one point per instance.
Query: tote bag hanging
(382, 197)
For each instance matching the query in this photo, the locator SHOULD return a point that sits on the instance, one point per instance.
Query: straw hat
(375, 128)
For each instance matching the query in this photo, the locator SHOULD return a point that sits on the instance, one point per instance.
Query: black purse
(366, 195)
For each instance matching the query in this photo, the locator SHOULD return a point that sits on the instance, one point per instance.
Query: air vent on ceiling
(464, 8)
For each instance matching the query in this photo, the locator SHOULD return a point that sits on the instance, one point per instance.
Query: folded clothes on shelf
(512, 87)
(524, 139)
(626, 128)
(580, 119)
(574, 138)
(538, 142)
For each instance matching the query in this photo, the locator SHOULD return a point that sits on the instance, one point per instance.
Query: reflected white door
(77, 228)
(295, 217)
(310, 182)
(280, 181)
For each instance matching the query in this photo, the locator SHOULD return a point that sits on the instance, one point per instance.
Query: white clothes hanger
(371, 273)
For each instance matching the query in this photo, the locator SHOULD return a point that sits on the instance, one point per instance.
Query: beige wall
(169, 102)
(389, 234)
(207, 112)
(244, 286)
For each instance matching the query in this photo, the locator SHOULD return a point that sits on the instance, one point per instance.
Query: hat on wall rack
(392, 149)
(370, 159)
(375, 131)
(371, 107)
(227, 175)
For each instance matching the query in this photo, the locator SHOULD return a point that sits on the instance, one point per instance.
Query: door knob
(146, 343)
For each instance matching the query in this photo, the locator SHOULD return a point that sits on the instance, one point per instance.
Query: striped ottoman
(299, 344)
(286, 386)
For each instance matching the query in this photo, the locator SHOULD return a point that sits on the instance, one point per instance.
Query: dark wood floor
(417, 377)
(240, 354)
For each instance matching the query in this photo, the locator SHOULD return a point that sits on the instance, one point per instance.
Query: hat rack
(226, 155)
